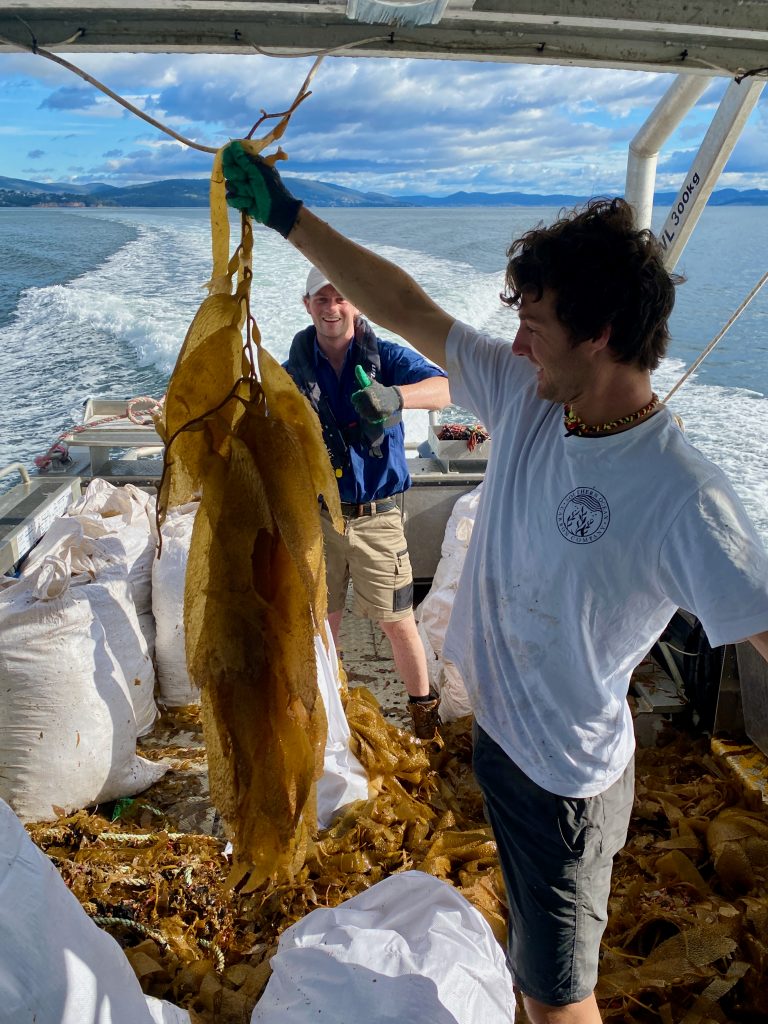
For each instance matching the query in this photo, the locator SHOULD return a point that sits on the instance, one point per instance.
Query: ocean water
(97, 303)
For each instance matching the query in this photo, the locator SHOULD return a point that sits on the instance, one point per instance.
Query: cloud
(72, 97)
(745, 167)
(377, 124)
(148, 163)
(35, 154)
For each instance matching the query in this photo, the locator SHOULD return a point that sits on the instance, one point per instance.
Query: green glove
(375, 403)
(254, 186)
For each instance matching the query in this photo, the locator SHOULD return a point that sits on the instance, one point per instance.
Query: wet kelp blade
(251, 648)
(200, 400)
(298, 435)
(251, 603)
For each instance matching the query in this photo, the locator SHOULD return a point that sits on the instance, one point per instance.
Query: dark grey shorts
(556, 854)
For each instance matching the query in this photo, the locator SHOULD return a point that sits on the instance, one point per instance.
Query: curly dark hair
(604, 272)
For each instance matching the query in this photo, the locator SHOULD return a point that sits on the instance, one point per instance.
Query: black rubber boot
(426, 717)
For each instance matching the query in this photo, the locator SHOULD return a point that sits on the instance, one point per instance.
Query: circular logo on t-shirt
(583, 516)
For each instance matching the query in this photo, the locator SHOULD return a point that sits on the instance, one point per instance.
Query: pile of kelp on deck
(198, 935)
(687, 941)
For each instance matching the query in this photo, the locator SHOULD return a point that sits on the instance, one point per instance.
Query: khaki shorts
(373, 553)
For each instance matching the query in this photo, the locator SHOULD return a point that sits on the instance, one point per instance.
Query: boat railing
(16, 467)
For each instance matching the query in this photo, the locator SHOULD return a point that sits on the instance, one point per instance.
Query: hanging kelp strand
(251, 449)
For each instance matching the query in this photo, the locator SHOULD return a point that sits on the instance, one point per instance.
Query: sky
(394, 126)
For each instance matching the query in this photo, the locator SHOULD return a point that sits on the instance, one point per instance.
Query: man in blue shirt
(358, 385)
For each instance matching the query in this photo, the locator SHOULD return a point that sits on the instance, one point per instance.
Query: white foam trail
(730, 426)
(139, 296)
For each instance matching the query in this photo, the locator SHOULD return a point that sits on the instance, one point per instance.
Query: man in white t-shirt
(598, 520)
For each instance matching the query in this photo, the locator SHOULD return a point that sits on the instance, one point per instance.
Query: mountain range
(16, 192)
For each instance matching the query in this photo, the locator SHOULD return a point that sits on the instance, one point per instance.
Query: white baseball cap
(316, 280)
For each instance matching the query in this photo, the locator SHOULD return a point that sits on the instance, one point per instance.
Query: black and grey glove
(379, 405)
(255, 187)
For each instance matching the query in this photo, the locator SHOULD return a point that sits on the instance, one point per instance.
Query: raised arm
(379, 289)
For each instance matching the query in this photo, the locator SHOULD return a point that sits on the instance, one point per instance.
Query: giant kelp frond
(241, 438)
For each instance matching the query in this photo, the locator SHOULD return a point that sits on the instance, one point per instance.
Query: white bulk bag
(111, 595)
(435, 610)
(67, 724)
(168, 574)
(126, 503)
(343, 779)
(111, 598)
(147, 626)
(128, 551)
(67, 538)
(410, 948)
(123, 518)
(56, 965)
(107, 548)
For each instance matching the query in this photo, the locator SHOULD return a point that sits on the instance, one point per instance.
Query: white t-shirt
(582, 551)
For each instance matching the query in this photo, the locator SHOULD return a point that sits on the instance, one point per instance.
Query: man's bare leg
(408, 652)
(585, 1012)
(334, 621)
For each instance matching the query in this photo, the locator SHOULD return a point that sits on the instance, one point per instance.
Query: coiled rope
(144, 417)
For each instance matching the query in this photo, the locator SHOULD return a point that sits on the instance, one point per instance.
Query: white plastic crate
(456, 451)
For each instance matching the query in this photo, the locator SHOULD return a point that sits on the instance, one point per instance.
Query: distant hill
(194, 192)
(722, 197)
(17, 192)
(172, 192)
(494, 199)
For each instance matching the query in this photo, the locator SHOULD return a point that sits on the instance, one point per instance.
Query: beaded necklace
(575, 425)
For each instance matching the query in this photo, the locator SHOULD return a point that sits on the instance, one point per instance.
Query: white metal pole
(717, 145)
(644, 148)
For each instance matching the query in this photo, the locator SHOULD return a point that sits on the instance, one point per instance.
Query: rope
(136, 926)
(59, 452)
(217, 954)
(320, 53)
(145, 417)
(107, 921)
(141, 838)
(717, 338)
(40, 52)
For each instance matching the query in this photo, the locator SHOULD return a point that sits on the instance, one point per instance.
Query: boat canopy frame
(705, 38)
